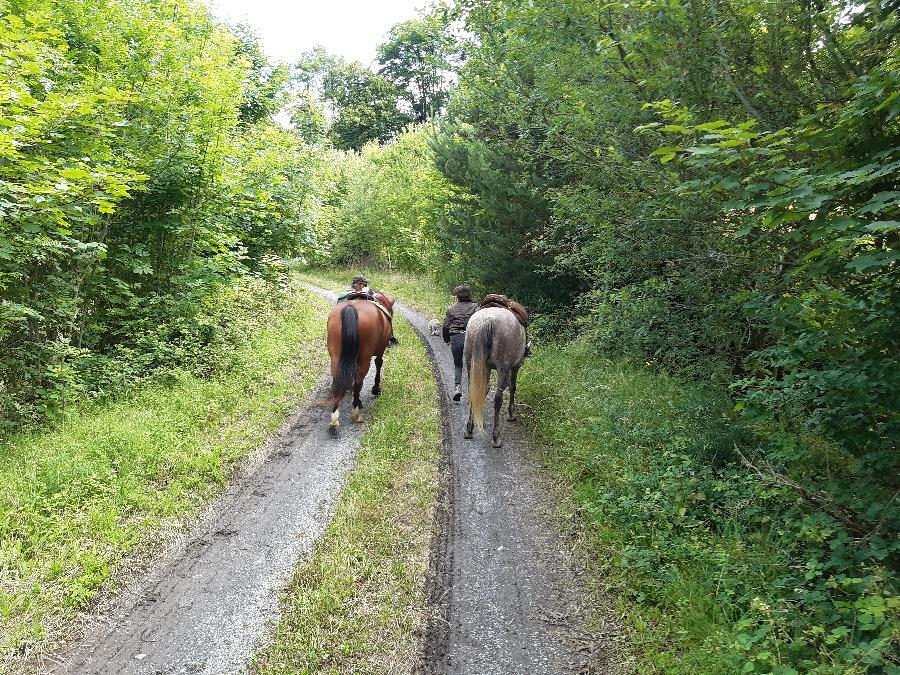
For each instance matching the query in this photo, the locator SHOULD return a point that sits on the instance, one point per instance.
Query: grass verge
(79, 500)
(357, 604)
(716, 569)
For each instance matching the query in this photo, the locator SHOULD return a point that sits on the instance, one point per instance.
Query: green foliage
(264, 86)
(492, 229)
(416, 58)
(386, 200)
(364, 105)
(138, 177)
(729, 570)
(818, 198)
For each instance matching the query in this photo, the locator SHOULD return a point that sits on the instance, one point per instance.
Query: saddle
(498, 300)
(382, 301)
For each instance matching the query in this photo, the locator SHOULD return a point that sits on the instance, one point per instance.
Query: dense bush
(138, 179)
(386, 201)
(730, 570)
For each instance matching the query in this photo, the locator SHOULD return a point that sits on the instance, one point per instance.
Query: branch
(823, 501)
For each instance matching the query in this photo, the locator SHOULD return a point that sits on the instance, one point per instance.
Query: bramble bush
(732, 570)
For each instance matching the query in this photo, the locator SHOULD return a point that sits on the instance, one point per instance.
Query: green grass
(715, 570)
(711, 568)
(606, 428)
(420, 293)
(80, 500)
(358, 604)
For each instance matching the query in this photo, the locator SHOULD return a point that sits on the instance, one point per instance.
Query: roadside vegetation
(358, 603)
(718, 569)
(83, 501)
(697, 199)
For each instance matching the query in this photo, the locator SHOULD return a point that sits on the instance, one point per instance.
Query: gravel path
(204, 608)
(506, 598)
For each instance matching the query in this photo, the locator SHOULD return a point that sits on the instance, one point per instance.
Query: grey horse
(495, 340)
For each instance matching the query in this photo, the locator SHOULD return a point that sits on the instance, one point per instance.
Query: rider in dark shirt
(361, 285)
(455, 322)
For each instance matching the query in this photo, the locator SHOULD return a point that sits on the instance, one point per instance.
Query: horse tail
(347, 367)
(477, 364)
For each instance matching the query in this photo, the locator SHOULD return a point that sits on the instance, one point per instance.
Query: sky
(349, 28)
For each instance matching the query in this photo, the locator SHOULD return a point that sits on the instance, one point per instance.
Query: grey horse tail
(477, 364)
(347, 368)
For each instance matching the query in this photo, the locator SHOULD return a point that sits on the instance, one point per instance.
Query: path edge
(439, 576)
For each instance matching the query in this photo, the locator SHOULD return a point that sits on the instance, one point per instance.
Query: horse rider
(458, 315)
(360, 287)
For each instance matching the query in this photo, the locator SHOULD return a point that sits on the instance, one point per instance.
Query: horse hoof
(467, 434)
(332, 429)
(513, 418)
(357, 418)
(376, 391)
(497, 444)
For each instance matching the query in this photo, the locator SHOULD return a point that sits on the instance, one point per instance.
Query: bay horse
(357, 331)
(495, 340)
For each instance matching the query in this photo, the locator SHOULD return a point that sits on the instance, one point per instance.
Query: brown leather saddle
(498, 300)
(383, 302)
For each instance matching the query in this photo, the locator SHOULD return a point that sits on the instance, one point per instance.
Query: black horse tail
(476, 359)
(347, 368)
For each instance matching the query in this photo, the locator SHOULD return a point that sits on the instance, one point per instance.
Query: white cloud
(350, 28)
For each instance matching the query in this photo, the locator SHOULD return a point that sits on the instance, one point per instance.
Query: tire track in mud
(504, 596)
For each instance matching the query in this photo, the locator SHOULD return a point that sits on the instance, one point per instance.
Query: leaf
(881, 202)
(74, 173)
(873, 261)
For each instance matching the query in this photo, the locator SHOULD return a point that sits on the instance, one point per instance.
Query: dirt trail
(203, 609)
(506, 597)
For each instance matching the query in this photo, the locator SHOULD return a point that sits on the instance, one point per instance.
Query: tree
(265, 87)
(364, 106)
(416, 58)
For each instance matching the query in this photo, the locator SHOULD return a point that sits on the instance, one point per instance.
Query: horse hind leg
(376, 389)
(512, 394)
(356, 413)
(502, 383)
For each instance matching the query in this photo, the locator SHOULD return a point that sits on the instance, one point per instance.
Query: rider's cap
(359, 280)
